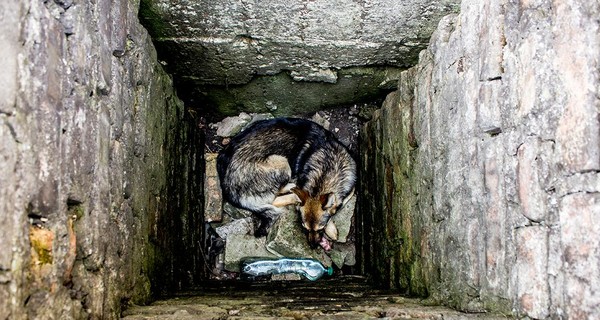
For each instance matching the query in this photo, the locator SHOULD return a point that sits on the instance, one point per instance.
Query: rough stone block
(488, 109)
(238, 226)
(495, 223)
(241, 40)
(575, 60)
(213, 199)
(579, 182)
(578, 137)
(343, 254)
(235, 212)
(531, 271)
(579, 215)
(531, 194)
(240, 246)
(230, 126)
(9, 49)
(343, 219)
(286, 239)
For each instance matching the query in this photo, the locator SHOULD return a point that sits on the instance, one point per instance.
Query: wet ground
(348, 297)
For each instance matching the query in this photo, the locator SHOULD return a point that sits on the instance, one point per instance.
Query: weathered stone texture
(97, 173)
(480, 174)
(229, 42)
(295, 56)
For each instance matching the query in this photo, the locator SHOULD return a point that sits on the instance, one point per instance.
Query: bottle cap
(329, 271)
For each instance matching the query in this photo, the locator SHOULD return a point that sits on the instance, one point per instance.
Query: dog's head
(315, 213)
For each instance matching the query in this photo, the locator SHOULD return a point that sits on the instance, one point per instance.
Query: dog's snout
(314, 238)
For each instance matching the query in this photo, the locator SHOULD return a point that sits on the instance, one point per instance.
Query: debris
(231, 126)
(320, 119)
(239, 226)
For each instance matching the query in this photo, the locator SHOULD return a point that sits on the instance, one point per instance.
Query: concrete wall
(487, 164)
(288, 56)
(97, 179)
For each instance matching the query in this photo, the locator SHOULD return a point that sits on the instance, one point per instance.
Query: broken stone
(343, 219)
(213, 200)
(321, 75)
(343, 254)
(235, 212)
(258, 117)
(239, 226)
(287, 239)
(240, 246)
(231, 126)
(320, 119)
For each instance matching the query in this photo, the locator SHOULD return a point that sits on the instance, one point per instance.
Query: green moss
(151, 19)
(43, 253)
(282, 96)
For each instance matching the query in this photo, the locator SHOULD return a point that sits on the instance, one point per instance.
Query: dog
(284, 161)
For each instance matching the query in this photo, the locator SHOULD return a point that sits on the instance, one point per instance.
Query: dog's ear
(327, 200)
(302, 195)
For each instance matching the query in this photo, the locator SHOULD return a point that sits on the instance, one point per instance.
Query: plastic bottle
(311, 269)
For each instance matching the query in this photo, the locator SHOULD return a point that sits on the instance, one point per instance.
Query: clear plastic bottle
(311, 269)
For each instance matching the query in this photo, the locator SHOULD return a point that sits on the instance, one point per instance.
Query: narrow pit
(228, 82)
(474, 125)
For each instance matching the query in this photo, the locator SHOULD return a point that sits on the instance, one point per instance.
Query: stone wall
(486, 164)
(99, 171)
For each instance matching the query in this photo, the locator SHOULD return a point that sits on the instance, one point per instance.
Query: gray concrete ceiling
(214, 47)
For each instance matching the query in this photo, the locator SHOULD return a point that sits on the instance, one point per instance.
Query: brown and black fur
(285, 161)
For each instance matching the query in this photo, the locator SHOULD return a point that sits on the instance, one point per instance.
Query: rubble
(231, 126)
(238, 226)
(239, 246)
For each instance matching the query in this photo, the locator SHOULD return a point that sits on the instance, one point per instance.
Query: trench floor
(346, 297)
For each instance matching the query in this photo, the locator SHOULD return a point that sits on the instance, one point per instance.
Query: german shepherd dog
(284, 161)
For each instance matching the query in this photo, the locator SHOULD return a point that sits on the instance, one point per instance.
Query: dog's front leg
(286, 200)
(286, 189)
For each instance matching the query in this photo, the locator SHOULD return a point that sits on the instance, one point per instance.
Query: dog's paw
(286, 189)
(331, 230)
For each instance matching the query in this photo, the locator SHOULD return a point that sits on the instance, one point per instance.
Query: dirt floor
(348, 297)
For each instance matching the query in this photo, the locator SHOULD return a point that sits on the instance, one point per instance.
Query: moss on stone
(281, 95)
(151, 19)
(41, 242)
